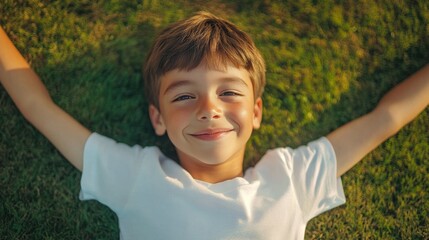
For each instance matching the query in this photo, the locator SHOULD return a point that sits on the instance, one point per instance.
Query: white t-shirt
(155, 198)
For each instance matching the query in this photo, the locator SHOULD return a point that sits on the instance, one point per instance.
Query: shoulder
(102, 150)
(97, 142)
(319, 148)
(315, 157)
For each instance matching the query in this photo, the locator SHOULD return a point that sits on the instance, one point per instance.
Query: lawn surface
(327, 63)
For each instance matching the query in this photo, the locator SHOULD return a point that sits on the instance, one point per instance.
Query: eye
(230, 93)
(183, 97)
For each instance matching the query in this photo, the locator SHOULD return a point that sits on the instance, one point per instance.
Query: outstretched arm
(33, 100)
(398, 107)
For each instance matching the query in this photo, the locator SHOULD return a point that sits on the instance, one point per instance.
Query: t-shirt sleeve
(310, 173)
(109, 169)
(314, 178)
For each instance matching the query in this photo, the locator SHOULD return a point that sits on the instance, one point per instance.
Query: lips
(211, 134)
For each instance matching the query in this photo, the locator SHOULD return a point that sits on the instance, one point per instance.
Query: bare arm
(398, 107)
(33, 100)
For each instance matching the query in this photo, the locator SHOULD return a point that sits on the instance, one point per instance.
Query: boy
(204, 79)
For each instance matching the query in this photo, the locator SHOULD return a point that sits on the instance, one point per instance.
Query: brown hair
(203, 38)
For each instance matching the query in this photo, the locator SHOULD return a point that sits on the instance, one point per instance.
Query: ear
(257, 113)
(157, 121)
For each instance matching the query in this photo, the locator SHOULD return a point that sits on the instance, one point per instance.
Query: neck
(213, 173)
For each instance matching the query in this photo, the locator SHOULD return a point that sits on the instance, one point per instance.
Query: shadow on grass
(390, 177)
(101, 88)
(372, 85)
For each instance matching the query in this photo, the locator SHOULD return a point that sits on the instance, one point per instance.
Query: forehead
(202, 75)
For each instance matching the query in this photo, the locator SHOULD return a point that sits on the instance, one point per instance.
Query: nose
(208, 109)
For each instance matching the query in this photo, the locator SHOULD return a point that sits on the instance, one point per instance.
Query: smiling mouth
(211, 134)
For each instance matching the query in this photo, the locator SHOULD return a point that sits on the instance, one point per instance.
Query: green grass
(328, 63)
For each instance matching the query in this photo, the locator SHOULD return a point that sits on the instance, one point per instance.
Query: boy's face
(208, 114)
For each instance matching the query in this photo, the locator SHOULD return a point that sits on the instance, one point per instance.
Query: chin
(216, 158)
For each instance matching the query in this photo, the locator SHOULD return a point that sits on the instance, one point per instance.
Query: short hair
(202, 39)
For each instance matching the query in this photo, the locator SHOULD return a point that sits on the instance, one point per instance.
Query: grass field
(327, 63)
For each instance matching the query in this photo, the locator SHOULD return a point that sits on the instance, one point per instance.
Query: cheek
(241, 112)
(176, 117)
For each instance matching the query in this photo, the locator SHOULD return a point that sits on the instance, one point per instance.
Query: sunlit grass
(326, 64)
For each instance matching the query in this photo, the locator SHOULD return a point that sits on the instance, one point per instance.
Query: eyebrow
(234, 79)
(181, 83)
(177, 84)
